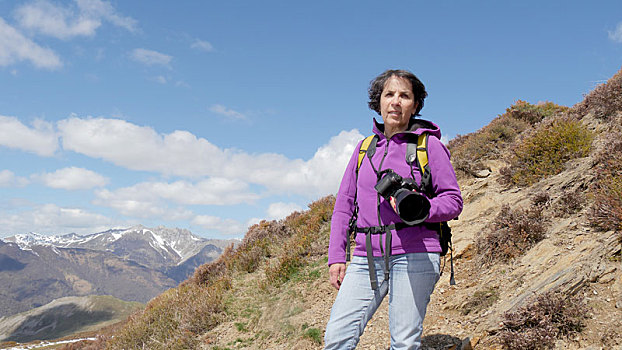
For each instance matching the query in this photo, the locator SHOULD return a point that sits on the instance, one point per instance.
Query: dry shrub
(174, 319)
(468, 151)
(546, 150)
(606, 210)
(308, 239)
(604, 100)
(549, 317)
(258, 244)
(541, 199)
(212, 270)
(511, 234)
(570, 202)
(533, 114)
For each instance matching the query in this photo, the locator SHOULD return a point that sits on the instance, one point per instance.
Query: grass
(312, 333)
(480, 300)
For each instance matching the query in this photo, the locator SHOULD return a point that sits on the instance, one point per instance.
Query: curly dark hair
(377, 85)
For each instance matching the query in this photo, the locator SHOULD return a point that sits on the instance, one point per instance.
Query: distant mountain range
(132, 264)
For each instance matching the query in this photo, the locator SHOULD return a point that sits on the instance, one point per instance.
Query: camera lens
(412, 207)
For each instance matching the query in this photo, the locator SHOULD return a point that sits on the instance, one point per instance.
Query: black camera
(412, 207)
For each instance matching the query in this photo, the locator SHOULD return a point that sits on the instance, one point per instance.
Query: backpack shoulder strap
(368, 146)
(363, 150)
(419, 153)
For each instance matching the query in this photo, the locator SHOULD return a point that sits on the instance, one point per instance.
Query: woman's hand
(337, 272)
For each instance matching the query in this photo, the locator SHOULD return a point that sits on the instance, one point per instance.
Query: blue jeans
(411, 281)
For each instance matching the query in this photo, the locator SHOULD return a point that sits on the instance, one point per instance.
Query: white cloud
(224, 111)
(50, 19)
(41, 139)
(8, 179)
(616, 35)
(213, 191)
(182, 153)
(202, 45)
(103, 9)
(150, 57)
(72, 179)
(52, 219)
(281, 210)
(321, 175)
(225, 226)
(133, 202)
(15, 47)
(160, 79)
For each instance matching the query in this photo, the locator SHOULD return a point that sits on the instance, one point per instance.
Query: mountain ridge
(133, 264)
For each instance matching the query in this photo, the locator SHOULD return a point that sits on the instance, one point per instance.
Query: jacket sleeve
(344, 206)
(447, 202)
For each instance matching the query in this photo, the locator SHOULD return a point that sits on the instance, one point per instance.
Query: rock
(466, 344)
(482, 173)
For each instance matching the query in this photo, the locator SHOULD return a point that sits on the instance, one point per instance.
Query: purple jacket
(445, 205)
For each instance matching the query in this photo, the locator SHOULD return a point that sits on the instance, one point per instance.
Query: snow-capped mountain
(133, 264)
(160, 245)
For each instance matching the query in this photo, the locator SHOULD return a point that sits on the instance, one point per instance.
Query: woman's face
(397, 104)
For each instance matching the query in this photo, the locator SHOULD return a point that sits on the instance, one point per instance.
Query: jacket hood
(415, 126)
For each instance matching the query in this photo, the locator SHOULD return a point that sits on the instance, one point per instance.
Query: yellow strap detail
(422, 152)
(363, 149)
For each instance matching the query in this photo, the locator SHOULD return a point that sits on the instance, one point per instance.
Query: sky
(212, 116)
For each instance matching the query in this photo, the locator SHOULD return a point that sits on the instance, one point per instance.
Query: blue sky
(213, 115)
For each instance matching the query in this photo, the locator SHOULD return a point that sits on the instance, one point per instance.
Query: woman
(409, 274)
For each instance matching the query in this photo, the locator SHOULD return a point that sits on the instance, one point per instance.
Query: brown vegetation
(604, 101)
(548, 317)
(510, 234)
(606, 211)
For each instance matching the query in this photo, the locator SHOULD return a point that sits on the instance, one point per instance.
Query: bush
(606, 210)
(604, 100)
(174, 319)
(541, 200)
(546, 151)
(489, 142)
(306, 240)
(570, 202)
(510, 234)
(533, 114)
(257, 245)
(537, 325)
